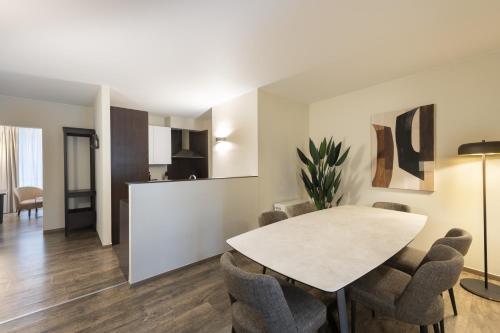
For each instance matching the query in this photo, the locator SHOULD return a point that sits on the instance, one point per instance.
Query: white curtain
(30, 157)
(8, 165)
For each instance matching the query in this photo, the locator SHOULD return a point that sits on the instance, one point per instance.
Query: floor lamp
(476, 286)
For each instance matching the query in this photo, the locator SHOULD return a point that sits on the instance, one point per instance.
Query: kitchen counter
(172, 224)
(184, 180)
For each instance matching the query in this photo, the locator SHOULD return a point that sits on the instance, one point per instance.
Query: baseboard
(52, 231)
(136, 284)
(480, 273)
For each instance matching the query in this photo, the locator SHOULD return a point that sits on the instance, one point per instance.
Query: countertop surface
(183, 180)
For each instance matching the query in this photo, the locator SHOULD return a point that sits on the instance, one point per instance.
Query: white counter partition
(174, 224)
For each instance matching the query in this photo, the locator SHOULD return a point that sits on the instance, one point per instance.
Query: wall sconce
(221, 144)
(220, 139)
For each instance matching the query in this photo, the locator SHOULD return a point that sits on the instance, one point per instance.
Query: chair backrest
(301, 208)
(439, 272)
(271, 216)
(457, 238)
(261, 293)
(27, 193)
(392, 206)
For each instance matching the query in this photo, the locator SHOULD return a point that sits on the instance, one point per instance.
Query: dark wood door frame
(129, 158)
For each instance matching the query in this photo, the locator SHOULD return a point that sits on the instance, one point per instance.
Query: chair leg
(353, 316)
(331, 319)
(18, 212)
(453, 303)
(233, 330)
(29, 213)
(264, 269)
(36, 212)
(436, 328)
(324, 328)
(423, 329)
(441, 325)
(373, 313)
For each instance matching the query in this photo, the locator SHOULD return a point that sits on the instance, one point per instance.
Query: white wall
(192, 225)
(467, 103)
(51, 118)
(237, 120)
(102, 119)
(283, 126)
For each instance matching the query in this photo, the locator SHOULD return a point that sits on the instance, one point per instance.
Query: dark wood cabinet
(129, 158)
(183, 167)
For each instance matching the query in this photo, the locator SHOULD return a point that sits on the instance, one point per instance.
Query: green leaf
(329, 197)
(302, 156)
(329, 180)
(344, 156)
(322, 149)
(329, 147)
(337, 180)
(331, 155)
(313, 151)
(334, 155)
(314, 174)
(307, 182)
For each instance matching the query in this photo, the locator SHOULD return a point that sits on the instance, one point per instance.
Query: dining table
(330, 249)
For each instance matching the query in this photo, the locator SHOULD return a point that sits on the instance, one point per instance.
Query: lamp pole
(485, 228)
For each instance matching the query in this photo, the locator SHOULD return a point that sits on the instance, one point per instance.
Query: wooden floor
(37, 270)
(193, 299)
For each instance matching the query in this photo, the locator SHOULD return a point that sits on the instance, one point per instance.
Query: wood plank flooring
(194, 299)
(40, 270)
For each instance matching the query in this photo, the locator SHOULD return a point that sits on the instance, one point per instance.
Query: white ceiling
(184, 56)
(27, 86)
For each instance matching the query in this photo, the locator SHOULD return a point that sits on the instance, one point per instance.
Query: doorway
(21, 174)
(41, 268)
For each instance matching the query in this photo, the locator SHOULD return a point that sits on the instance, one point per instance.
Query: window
(30, 157)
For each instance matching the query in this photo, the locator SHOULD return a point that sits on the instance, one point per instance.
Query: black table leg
(342, 307)
(1, 207)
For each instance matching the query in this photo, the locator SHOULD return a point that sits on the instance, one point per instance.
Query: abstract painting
(403, 145)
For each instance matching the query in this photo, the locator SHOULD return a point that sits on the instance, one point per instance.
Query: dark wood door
(129, 158)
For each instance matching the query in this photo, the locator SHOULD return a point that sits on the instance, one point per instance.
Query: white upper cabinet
(160, 148)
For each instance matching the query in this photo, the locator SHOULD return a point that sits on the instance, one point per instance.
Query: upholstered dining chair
(413, 299)
(28, 198)
(409, 259)
(259, 303)
(392, 206)
(271, 217)
(301, 208)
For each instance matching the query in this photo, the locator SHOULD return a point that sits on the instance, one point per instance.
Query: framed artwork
(403, 149)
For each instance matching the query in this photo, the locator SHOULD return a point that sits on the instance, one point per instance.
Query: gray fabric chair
(301, 209)
(392, 206)
(409, 259)
(271, 217)
(259, 303)
(412, 299)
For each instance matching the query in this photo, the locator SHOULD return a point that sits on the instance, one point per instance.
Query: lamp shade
(480, 148)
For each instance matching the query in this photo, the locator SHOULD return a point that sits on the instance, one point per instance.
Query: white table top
(329, 249)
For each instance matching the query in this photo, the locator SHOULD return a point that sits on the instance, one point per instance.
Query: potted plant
(324, 173)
